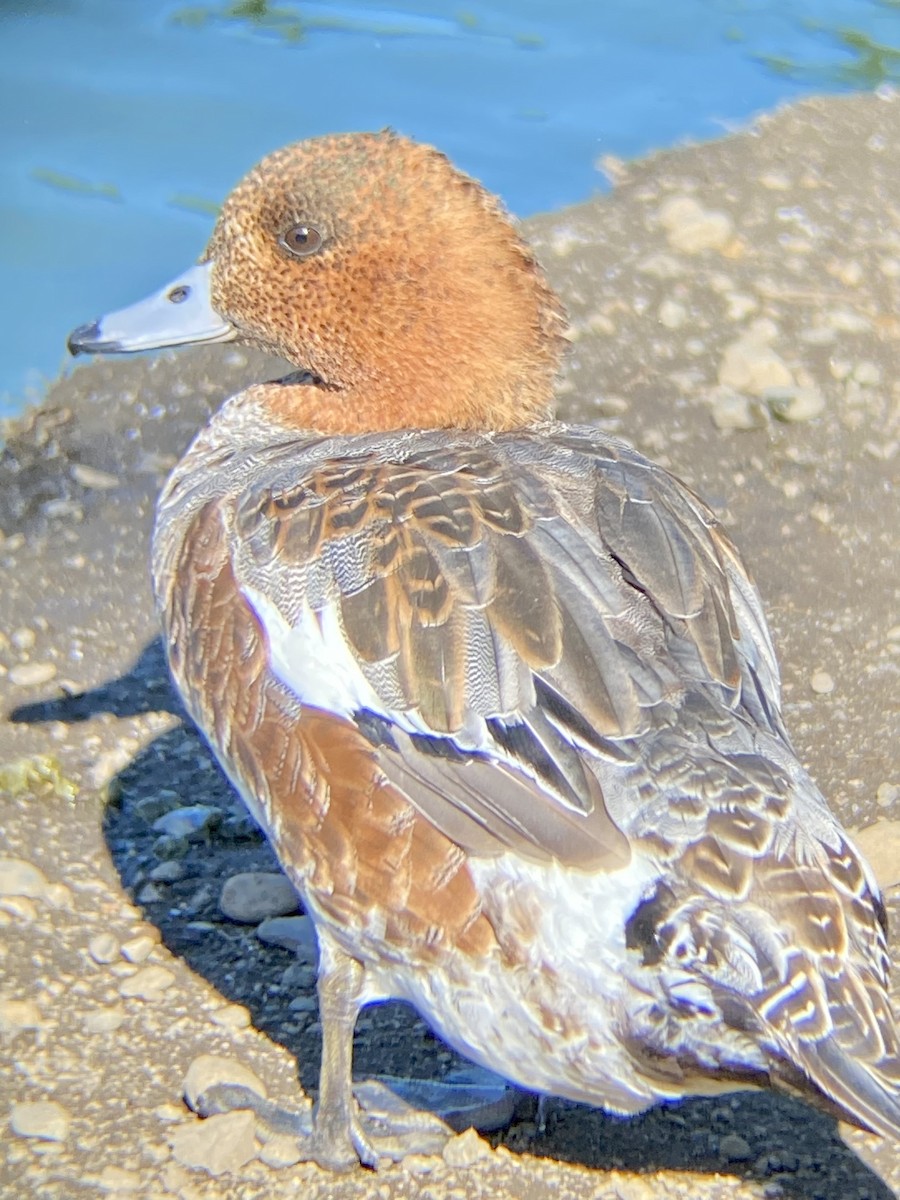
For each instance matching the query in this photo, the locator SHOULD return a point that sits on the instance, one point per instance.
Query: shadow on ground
(766, 1138)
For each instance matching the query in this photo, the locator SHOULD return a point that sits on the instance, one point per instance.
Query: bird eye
(179, 294)
(302, 240)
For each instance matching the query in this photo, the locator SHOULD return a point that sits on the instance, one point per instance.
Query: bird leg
(346, 1126)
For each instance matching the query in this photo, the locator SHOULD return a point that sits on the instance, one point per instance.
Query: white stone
(466, 1149)
(732, 410)
(880, 846)
(16, 1015)
(821, 683)
(118, 1179)
(23, 639)
(21, 878)
(795, 404)
(750, 365)
(32, 673)
(231, 1016)
(138, 949)
(661, 266)
(844, 320)
(93, 477)
(692, 228)
(867, 373)
(220, 1144)
(282, 1150)
(672, 314)
(207, 1070)
(44, 1119)
(191, 822)
(104, 1020)
(147, 984)
(104, 948)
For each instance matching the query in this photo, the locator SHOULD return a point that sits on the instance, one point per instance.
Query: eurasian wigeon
(499, 690)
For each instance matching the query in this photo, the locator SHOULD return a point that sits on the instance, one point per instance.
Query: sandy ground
(735, 314)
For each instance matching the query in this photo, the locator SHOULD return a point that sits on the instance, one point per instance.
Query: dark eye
(302, 240)
(179, 294)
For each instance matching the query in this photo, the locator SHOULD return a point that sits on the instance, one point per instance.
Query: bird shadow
(762, 1137)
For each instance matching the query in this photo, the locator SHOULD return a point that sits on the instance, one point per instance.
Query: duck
(499, 690)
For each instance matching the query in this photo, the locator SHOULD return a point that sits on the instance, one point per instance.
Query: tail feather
(865, 1094)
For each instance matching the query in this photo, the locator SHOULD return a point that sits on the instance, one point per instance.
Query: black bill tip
(86, 339)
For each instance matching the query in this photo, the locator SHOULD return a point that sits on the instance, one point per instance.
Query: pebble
(303, 1004)
(817, 335)
(867, 373)
(19, 907)
(225, 1142)
(138, 949)
(209, 1069)
(21, 878)
(740, 305)
(732, 410)
(672, 315)
(23, 639)
(795, 404)
(169, 871)
(231, 1016)
(149, 894)
(734, 1148)
(16, 1015)
(291, 933)
(661, 266)
(45, 1119)
(886, 793)
(192, 822)
(880, 846)
(104, 1020)
(253, 896)
(298, 977)
(821, 683)
(844, 320)
(839, 368)
(104, 948)
(281, 1150)
(466, 1150)
(691, 227)
(775, 181)
(147, 984)
(32, 673)
(749, 365)
(563, 242)
(118, 1179)
(167, 847)
(635, 1189)
(93, 477)
(162, 801)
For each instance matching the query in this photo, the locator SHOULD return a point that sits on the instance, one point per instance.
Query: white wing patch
(313, 659)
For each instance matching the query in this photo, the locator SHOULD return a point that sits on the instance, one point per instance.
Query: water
(124, 122)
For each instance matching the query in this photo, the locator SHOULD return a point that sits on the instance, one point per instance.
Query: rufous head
(397, 281)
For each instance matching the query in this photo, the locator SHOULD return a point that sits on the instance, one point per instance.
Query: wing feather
(527, 605)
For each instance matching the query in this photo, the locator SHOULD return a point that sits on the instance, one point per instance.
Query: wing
(504, 618)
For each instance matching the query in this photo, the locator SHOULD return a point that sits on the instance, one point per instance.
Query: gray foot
(393, 1118)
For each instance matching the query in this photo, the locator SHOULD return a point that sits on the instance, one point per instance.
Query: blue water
(123, 122)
